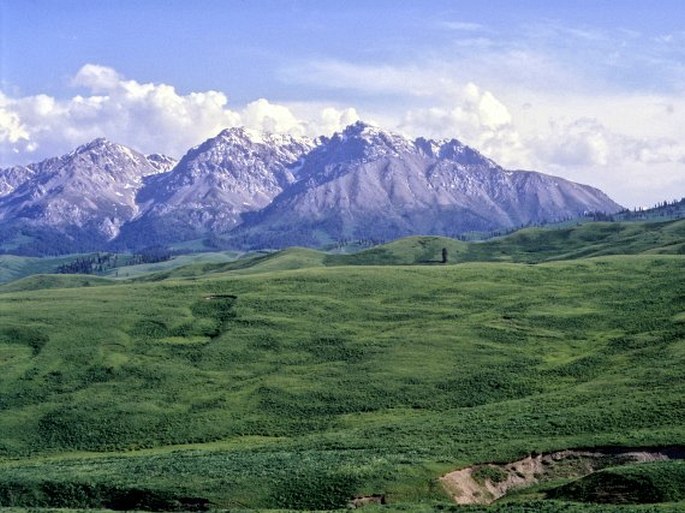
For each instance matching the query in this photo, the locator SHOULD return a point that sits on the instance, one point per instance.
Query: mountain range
(260, 190)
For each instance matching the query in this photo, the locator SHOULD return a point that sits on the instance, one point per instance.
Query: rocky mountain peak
(458, 152)
(98, 145)
(248, 136)
(91, 189)
(361, 141)
(101, 157)
(98, 142)
(428, 147)
(241, 135)
(215, 183)
(359, 128)
(453, 150)
(267, 190)
(374, 136)
(246, 146)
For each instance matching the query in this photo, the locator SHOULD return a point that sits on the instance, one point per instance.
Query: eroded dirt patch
(483, 484)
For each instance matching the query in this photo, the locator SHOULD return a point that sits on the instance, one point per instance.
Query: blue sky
(590, 90)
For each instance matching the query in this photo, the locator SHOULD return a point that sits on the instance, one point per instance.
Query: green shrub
(24, 335)
(489, 473)
(324, 490)
(646, 483)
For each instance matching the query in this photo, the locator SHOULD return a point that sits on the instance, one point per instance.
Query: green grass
(53, 281)
(272, 387)
(15, 267)
(532, 245)
(411, 250)
(198, 260)
(489, 473)
(633, 484)
(585, 240)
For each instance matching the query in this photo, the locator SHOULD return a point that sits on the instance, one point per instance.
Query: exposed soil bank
(483, 484)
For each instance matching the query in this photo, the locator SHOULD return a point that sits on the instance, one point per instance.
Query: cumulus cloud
(477, 118)
(97, 78)
(620, 142)
(269, 117)
(588, 142)
(149, 117)
(581, 142)
(11, 129)
(146, 116)
(628, 150)
(331, 119)
(634, 170)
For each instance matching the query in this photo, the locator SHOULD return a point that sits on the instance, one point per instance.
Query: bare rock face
(216, 182)
(268, 190)
(365, 183)
(13, 177)
(162, 163)
(89, 193)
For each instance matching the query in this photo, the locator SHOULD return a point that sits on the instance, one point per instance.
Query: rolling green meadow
(300, 379)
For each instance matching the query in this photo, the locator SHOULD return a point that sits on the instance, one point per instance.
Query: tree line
(102, 262)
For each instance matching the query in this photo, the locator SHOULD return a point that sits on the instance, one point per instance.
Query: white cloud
(332, 120)
(418, 81)
(148, 117)
(583, 142)
(266, 116)
(323, 118)
(97, 78)
(634, 170)
(627, 144)
(12, 131)
(477, 118)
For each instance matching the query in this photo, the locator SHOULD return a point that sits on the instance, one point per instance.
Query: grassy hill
(632, 484)
(280, 382)
(586, 240)
(668, 210)
(532, 245)
(13, 267)
(53, 281)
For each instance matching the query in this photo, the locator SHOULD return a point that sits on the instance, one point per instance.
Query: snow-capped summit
(362, 141)
(90, 190)
(365, 182)
(237, 171)
(236, 149)
(244, 135)
(97, 144)
(266, 190)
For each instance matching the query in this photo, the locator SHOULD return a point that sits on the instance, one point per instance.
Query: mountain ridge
(258, 189)
(365, 183)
